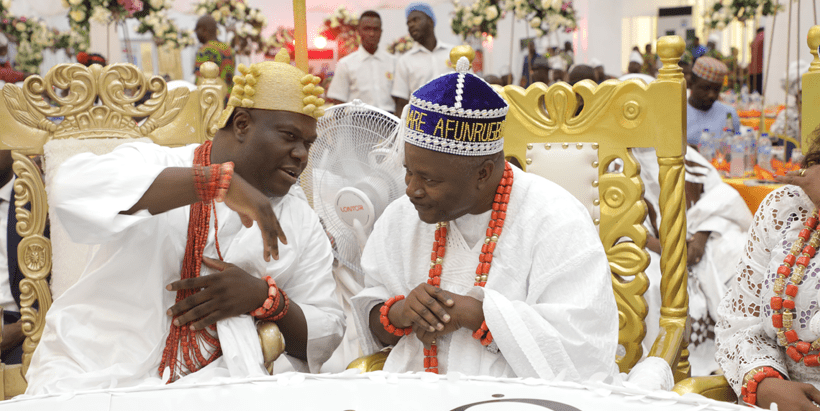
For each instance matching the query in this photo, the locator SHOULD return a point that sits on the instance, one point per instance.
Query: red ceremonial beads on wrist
(786, 286)
(749, 389)
(271, 304)
(392, 329)
(494, 229)
(225, 177)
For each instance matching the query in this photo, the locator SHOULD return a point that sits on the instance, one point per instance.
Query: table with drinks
(736, 154)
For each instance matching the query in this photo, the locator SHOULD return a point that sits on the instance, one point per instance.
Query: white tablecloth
(374, 391)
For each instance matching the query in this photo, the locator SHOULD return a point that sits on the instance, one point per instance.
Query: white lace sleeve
(744, 335)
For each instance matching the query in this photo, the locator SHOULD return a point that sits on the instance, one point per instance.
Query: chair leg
(684, 369)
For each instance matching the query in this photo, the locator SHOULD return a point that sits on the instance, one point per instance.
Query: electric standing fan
(354, 172)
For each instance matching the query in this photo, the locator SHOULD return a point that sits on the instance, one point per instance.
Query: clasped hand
(227, 293)
(433, 312)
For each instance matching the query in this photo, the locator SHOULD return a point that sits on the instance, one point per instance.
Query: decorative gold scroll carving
(211, 98)
(618, 116)
(33, 252)
(102, 102)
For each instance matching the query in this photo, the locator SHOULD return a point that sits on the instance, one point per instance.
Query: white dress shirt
(364, 76)
(418, 66)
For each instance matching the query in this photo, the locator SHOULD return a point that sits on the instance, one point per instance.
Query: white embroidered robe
(745, 336)
(548, 300)
(109, 329)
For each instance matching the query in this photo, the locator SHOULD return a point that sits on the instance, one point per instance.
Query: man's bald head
(206, 29)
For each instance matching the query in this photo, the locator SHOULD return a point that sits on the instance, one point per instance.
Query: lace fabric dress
(745, 336)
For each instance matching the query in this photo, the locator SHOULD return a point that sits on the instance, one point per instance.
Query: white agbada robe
(109, 329)
(720, 210)
(548, 300)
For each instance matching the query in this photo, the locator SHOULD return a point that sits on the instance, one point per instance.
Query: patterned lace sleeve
(741, 337)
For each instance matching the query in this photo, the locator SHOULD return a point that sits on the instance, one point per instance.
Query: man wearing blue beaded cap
(517, 284)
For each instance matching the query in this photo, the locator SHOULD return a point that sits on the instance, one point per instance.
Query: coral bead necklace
(785, 289)
(494, 228)
(193, 346)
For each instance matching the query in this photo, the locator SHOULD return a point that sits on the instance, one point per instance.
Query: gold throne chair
(548, 136)
(77, 109)
(716, 386)
(545, 137)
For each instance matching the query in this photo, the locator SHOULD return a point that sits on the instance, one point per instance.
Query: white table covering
(375, 391)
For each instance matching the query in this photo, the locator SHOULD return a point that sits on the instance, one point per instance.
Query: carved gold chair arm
(14, 383)
(372, 362)
(714, 386)
(669, 346)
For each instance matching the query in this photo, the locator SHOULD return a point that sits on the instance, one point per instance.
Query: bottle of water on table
(764, 152)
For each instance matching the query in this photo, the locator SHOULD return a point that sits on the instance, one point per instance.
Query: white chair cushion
(69, 258)
(573, 166)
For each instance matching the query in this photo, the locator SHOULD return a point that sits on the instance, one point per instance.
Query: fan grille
(354, 148)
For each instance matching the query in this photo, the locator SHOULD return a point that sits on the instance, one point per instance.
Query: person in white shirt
(518, 284)
(155, 303)
(426, 60)
(367, 73)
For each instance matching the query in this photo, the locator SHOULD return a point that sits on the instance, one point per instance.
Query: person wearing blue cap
(500, 294)
(426, 60)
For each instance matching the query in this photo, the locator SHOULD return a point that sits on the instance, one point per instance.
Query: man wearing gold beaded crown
(151, 207)
(517, 284)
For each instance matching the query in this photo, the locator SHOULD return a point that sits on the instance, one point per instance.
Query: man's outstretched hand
(227, 293)
(252, 206)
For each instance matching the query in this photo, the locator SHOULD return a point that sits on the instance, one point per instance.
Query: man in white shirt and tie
(367, 73)
(427, 59)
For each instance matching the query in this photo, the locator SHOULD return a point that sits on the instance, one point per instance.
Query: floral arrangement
(724, 11)
(282, 37)
(480, 19)
(82, 12)
(401, 45)
(153, 18)
(32, 37)
(545, 16)
(341, 26)
(246, 23)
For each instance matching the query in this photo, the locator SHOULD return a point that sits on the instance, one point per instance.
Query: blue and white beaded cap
(456, 113)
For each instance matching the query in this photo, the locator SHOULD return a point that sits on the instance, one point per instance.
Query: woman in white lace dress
(769, 320)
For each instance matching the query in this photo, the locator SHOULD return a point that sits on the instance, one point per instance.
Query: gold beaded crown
(275, 85)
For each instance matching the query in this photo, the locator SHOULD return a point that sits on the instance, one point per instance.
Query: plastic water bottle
(706, 145)
(737, 166)
(764, 152)
(726, 143)
(751, 151)
(743, 104)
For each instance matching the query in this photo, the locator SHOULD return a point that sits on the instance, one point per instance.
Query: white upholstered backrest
(69, 258)
(573, 166)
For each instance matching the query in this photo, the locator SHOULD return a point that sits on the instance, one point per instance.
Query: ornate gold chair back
(84, 105)
(544, 133)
